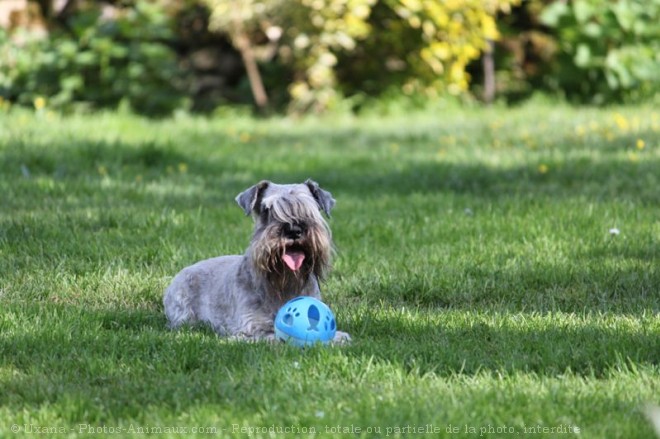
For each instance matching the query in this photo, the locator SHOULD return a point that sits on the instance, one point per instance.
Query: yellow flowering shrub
(454, 33)
(314, 36)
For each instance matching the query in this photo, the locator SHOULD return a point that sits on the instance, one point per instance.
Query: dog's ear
(322, 197)
(249, 198)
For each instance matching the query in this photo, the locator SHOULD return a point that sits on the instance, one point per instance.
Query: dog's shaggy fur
(289, 254)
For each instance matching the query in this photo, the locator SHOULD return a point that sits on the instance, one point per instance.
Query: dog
(289, 255)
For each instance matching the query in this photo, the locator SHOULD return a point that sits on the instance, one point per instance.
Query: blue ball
(304, 321)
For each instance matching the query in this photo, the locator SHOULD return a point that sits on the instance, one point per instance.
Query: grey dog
(290, 253)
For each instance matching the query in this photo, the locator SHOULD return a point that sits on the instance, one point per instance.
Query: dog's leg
(177, 302)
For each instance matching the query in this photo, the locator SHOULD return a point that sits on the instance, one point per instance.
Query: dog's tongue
(294, 259)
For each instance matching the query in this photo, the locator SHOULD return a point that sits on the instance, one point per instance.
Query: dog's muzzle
(293, 231)
(294, 256)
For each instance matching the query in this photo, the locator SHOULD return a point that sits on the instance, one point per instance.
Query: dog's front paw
(341, 338)
(267, 337)
(270, 338)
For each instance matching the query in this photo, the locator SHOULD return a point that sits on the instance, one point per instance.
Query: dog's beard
(287, 263)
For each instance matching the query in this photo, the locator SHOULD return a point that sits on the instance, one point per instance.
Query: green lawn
(476, 271)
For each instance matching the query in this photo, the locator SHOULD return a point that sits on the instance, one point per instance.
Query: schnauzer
(288, 256)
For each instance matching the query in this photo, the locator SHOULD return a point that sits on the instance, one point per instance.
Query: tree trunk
(242, 42)
(489, 72)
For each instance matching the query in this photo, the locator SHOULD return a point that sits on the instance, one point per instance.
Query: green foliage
(609, 49)
(97, 62)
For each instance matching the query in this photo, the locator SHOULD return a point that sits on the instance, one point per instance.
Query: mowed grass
(477, 270)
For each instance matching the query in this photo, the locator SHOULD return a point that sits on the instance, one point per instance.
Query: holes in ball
(313, 315)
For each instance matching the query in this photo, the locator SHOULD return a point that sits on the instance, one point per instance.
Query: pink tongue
(293, 259)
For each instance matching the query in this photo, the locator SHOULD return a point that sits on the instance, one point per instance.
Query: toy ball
(304, 321)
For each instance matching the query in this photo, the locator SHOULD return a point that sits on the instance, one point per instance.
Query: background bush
(608, 50)
(158, 55)
(96, 61)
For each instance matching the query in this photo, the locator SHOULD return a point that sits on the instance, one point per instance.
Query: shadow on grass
(584, 287)
(447, 342)
(359, 173)
(93, 363)
(611, 180)
(91, 366)
(89, 344)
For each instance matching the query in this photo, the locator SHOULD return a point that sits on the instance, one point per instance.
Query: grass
(476, 272)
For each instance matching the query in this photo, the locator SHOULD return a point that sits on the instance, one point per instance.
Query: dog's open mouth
(293, 258)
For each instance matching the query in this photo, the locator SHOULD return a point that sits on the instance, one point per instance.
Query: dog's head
(291, 238)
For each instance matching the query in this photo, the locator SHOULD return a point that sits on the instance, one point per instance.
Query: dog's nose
(293, 231)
